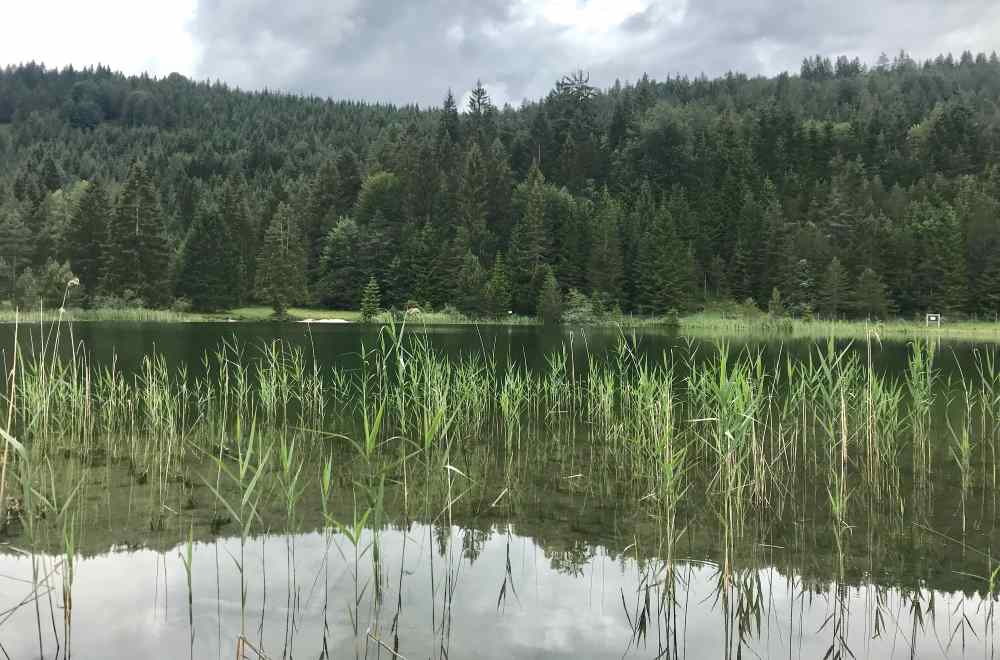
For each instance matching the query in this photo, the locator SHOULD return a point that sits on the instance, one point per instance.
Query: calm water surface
(544, 558)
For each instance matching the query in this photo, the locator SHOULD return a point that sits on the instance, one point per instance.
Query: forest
(843, 190)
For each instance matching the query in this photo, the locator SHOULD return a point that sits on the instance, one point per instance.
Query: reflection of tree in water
(473, 541)
(442, 534)
(572, 559)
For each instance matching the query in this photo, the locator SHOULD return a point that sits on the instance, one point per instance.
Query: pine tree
(663, 272)
(499, 188)
(473, 202)
(741, 282)
(281, 264)
(210, 268)
(371, 300)
(470, 285)
(834, 290)
(481, 116)
(871, 300)
(137, 253)
(497, 295)
(802, 296)
(236, 218)
(550, 299)
(349, 182)
(605, 268)
(988, 285)
(15, 245)
(86, 236)
(527, 247)
(343, 273)
(449, 128)
(320, 214)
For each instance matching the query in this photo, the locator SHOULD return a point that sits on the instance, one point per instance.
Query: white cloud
(129, 35)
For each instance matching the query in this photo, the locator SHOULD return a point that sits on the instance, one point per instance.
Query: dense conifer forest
(842, 190)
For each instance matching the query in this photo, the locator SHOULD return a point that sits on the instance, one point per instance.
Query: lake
(500, 492)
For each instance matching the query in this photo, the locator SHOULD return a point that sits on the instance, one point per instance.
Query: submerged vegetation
(723, 456)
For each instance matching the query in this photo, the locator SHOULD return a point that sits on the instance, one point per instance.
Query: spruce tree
(741, 279)
(136, 254)
(871, 300)
(834, 290)
(341, 275)
(470, 285)
(663, 271)
(497, 294)
(473, 198)
(210, 267)
(236, 218)
(15, 245)
(605, 268)
(320, 214)
(371, 300)
(281, 264)
(987, 285)
(86, 236)
(550, 299)
(349, 182)
(527, 247)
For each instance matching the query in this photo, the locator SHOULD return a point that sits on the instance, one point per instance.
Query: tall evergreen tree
(371, 300)
(320, 213)
(527, 247)
(470, 285)
(550, 299)
(663, 276)
(136, 255)
(86, 237)
(210, 266)
(281, 264)
(605, 270)
(15, 245)
(871, 300)
(473, 201)
(497, 295)
(834, 291)
(236, 218)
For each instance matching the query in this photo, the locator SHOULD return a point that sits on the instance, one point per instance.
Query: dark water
(124, 344)
(539, 559)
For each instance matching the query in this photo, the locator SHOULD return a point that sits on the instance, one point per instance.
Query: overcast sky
(414, 50)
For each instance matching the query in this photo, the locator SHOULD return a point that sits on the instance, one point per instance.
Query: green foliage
(645, 197)
(775, 307)
(281, 264)
(871, 300)
(497, 294)
(834, 290)
(550, 299)
(578, 309)
(53, 286)
(371, 301)
(15, 245)
(471, 285)
(211, 267)
(527, 249)
(136, 255)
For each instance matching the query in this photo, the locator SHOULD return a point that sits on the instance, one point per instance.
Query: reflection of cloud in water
(134, 604)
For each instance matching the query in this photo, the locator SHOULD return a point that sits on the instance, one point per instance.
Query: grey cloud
(413, 51)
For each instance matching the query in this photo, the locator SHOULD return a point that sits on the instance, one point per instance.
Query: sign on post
(934, 318)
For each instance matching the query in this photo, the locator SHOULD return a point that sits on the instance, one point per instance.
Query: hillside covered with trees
(842, 190)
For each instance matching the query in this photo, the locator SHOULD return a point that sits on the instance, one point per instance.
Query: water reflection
(440, 592)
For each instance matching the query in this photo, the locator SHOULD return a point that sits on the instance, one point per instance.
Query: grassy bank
(706, 324)
(710, 323)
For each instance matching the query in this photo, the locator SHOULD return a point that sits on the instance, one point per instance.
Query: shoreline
(702, 324)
